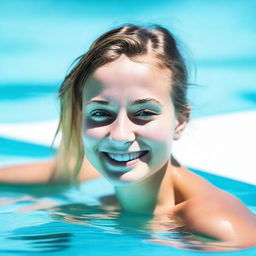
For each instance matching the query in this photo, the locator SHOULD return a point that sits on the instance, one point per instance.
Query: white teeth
(124, 157)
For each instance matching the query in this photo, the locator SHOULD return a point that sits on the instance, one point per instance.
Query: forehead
(125, 77)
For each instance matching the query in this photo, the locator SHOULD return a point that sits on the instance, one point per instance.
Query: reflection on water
(163, 230)
(45, 243)
(36, 224)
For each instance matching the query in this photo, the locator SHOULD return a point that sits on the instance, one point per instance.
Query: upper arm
(220, 216)
(44, 172)
(39, 172)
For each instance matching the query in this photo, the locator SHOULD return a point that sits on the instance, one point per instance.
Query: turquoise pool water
(73, 223)
(41, 41)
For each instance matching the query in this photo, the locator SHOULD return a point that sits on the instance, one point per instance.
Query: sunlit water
(40, 42)
(61, 220)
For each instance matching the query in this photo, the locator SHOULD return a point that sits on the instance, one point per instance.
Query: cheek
(159, 132)
(95, 133)
(92, 131)
(160, 135)
(92, 137)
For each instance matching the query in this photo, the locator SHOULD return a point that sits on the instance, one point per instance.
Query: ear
(182, 120)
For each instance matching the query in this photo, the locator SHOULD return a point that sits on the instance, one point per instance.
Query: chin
(130, 177)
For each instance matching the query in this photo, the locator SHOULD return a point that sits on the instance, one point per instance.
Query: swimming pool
(74, 223)
(40, 43)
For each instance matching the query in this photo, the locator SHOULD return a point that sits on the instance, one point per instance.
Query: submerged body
(203, 208)
(124, 115)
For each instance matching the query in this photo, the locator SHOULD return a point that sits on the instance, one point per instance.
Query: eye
(100, 115)
(145, 114)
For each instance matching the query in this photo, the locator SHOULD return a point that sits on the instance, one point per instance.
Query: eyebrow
(103, 102)
(146, 100)
(135, 102)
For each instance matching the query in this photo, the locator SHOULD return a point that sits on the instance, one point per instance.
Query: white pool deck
(224, 145)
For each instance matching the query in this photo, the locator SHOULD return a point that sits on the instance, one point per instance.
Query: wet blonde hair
(133, 41)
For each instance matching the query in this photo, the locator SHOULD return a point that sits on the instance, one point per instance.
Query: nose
(122, 129)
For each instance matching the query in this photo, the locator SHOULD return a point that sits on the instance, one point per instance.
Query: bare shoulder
(189, 185)
(210, 211)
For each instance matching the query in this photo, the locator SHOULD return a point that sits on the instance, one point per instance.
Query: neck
(152, 195)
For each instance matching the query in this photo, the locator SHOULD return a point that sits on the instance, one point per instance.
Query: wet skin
(129, 120)
(129, 125)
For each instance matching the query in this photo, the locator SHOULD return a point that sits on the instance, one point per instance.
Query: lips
(118, 158)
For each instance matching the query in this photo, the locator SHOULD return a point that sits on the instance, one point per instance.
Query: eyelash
(145, 113)
(101, 115)
(96, 113)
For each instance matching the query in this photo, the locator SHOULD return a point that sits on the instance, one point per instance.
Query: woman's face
(129, 120)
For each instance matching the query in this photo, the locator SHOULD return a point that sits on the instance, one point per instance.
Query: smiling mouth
(124, 158)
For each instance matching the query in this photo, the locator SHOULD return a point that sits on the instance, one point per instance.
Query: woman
(122, 106)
